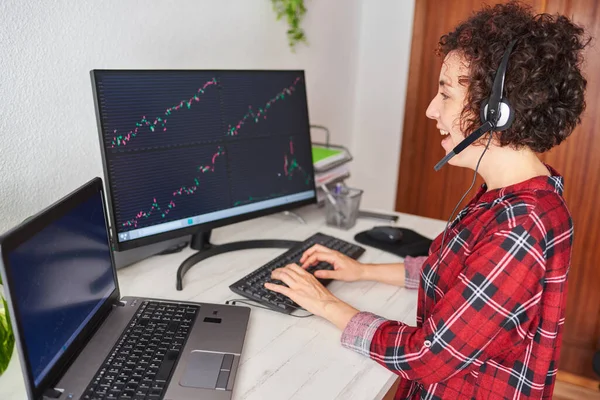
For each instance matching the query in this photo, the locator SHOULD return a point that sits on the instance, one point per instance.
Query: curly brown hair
(543, 82)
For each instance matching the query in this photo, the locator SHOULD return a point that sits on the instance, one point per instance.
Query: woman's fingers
(325, 274)
(313, 249)
(286, 291)
(300, 271)
(318, 257)
(303, 288)
(288, 275)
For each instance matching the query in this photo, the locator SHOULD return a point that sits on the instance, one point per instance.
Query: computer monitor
(185, 151)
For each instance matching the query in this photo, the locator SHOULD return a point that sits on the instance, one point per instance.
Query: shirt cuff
(412, 271)
(359, 332)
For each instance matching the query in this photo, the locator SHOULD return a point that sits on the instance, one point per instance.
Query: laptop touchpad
(203, 369)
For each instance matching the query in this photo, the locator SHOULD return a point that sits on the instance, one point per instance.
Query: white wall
(48, 134)
(381, 81)
(356, 65)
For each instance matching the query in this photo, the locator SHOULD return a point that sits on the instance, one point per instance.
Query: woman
(492, 301)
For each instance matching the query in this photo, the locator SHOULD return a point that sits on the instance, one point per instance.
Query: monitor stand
(201, 242)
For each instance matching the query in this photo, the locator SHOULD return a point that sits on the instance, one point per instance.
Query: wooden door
(423, 191)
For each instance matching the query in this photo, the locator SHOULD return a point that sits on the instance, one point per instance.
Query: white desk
(283, 357)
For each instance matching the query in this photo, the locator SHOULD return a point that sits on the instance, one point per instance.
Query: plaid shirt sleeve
(492, 305)
(412, 271)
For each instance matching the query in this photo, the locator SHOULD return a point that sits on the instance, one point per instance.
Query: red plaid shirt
(491, 313)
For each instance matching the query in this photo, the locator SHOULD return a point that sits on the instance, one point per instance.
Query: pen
(339, 215)
(328, 193)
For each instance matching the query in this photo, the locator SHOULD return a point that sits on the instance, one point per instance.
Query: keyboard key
(167, 365)
(227, 362)
(222, 380)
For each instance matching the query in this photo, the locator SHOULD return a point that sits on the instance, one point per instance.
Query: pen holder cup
(341, 210)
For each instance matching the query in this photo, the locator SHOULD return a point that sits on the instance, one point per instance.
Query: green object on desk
(321, 153)
(7, 338)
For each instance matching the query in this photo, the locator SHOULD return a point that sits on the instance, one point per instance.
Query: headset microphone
(496, 113)
(488, 126)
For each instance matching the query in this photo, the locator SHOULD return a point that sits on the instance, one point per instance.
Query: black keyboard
(252, 285)
(140, 364)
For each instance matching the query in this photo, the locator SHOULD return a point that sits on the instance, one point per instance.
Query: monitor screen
(196, 149)
(59, 279)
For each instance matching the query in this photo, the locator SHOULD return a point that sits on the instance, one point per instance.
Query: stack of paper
(331, 166)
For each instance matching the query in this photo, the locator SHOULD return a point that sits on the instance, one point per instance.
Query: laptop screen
(61, 276)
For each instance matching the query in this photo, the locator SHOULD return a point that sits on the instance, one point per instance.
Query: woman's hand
(304, 289)
(344, 267)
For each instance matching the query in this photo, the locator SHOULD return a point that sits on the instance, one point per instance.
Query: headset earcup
(507, 115)
(483, 111)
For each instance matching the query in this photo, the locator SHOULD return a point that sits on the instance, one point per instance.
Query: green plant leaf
(294, 11)
(7, 339)
(5, 304)
(3, 333)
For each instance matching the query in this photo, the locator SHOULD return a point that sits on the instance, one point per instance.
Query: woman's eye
(444, 96)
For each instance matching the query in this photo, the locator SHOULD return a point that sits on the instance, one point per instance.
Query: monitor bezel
(206, 226)
(21, 233)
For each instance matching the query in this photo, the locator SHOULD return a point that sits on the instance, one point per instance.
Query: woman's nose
(432, 111)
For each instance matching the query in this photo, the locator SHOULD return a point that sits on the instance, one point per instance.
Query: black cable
(174, 249)
(244, 301)
(459, 202)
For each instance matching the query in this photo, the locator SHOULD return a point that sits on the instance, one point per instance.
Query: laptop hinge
(119, 303)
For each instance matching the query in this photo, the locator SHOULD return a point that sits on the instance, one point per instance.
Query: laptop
(78, 339)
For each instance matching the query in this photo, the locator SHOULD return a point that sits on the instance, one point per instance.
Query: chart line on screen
(183, 190)
(122, 140)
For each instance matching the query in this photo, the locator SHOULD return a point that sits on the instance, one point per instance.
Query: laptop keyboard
(140, 364)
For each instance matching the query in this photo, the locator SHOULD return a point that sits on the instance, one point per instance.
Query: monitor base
(295, 215)
(201, 242)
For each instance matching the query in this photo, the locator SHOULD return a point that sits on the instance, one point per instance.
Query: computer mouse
(388, 234)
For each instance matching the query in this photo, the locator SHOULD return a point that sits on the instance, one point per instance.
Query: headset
(496, 115)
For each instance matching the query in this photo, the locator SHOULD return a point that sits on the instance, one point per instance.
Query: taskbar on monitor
(213, 216)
